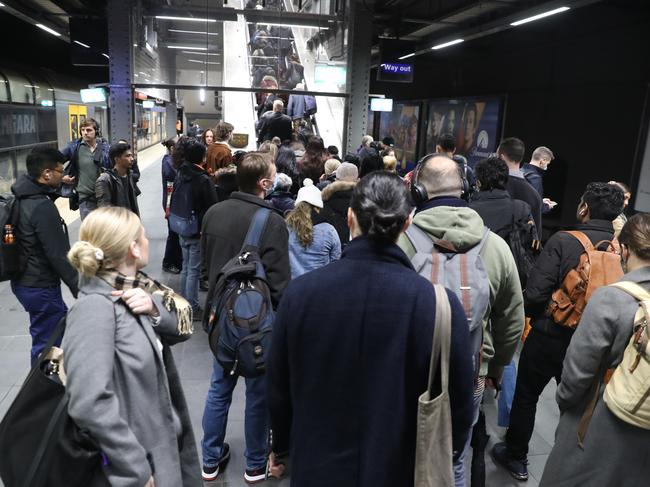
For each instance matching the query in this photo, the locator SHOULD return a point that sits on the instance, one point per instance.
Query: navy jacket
(346, 369)
(168, 176)
(534, 175)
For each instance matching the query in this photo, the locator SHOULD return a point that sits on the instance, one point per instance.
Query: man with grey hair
(275, 124)
(534, 174)
(367, 149)
(444, 217)
(336, 200)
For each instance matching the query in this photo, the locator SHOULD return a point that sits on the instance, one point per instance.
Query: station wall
(576, 83)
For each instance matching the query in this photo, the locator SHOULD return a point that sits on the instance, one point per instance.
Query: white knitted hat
(310, 194)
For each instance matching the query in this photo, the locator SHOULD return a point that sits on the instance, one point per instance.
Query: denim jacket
(324, 248)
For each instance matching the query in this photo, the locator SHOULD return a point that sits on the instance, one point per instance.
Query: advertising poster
(402, 125)
(474, 122)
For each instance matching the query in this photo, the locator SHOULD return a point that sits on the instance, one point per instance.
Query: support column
(358, 76)
(120, 69)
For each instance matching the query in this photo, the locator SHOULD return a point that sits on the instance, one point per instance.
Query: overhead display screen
(395, 72)
(381, 104)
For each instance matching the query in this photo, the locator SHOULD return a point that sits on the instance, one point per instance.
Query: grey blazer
(124, 389)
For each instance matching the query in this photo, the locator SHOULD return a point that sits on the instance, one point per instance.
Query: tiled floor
(194, 359)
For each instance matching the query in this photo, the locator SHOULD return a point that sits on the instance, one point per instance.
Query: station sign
(395, 72)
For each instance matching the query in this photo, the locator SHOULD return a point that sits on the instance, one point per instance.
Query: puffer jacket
(336, 201)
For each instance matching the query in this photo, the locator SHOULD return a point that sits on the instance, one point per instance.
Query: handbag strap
(441, 341)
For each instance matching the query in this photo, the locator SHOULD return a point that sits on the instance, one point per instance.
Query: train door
(77, 114)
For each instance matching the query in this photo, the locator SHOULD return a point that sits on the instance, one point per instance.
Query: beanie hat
(310, 194)
(331, 165)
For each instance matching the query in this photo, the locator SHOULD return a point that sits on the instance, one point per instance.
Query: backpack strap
(633, 289)
(420, 240)
(254, 234)
(582, 238)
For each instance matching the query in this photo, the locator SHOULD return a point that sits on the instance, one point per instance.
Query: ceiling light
(201, 53)
(540, 16)
(194, 32)
(143, 74)
(289, 25)
(32, 86)
(202, 96)
(135, 45)
(2, 4)
(135, 75)
(82, 44)
(188, 47)
(47, 29)
(105, 55)
(202, 62)
(406, 56)
(447, 44)
(189, 19)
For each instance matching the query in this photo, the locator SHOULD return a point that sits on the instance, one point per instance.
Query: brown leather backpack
(596, 268)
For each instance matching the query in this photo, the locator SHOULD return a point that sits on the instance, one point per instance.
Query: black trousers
(540, 361)
(173, 254)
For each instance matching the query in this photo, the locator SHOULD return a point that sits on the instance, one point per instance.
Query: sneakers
(517, 468)
(210, 473)
(172, 269)
(254, 476)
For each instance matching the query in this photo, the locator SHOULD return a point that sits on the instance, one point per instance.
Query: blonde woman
(121, 379)
(313, 242)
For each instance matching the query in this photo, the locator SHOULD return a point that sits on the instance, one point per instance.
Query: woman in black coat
(344, 379)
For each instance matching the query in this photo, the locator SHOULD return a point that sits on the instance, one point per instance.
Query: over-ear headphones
(419, 194)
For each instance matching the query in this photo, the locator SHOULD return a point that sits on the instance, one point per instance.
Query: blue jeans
(215, 417)
(459, 462)
(46, 308)
(191, 248)
(86, 206)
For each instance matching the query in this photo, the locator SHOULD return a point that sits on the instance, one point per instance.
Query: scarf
(171, 301)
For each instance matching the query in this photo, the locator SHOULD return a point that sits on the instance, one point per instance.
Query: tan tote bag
(433, 449)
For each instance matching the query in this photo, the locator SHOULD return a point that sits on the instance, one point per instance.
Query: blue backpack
(182, 217)
(241, 313)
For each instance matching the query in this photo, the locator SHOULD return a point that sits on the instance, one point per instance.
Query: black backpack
(11, 260)
(524, 244)
(241, 313)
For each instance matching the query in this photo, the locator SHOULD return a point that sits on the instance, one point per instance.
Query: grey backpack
(462, 273)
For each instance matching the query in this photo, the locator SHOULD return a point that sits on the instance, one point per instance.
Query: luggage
(627, 393)
(596, 268)
(433, 446)
(462, 273)
(41, 445)
(241, 313)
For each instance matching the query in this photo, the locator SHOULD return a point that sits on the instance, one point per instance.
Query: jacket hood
(26, 186)
(336, 187)
(460, 226)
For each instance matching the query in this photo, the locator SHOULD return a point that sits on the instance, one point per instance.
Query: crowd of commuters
(338, 404)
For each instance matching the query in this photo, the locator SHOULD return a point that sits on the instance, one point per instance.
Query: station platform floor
(194, 359)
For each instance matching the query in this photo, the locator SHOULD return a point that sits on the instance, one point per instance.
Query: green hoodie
(504, 319)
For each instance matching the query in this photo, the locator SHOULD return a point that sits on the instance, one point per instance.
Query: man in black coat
(345, 376)
(336, 200)
(43, 239)
(511, 150)
(545, 347)
(534, 174)
(275, 125)
(223, 232)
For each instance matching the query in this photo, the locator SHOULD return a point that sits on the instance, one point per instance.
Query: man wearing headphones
(455, 228)
(88, 158)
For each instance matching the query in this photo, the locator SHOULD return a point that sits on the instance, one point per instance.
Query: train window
(22, 90)
(4, 89)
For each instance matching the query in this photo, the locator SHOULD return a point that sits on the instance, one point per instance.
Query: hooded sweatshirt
(503, 321)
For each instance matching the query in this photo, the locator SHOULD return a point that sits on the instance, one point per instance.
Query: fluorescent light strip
(189, 19)
(188, 47)
(47, 29)
(202, 62)
(32, 86)
(82, 44)
(194, 32)
(201, 53)
(289, 25)
(2, 4)
(105, 55)
(447, 44)
(540, 16)
(406, 56)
